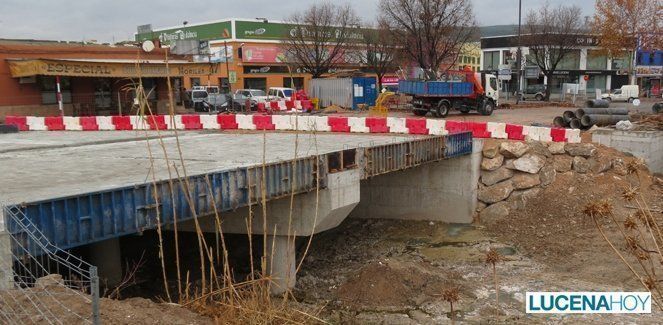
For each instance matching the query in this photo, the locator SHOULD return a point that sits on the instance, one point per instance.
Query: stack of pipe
(568, 119)
(585, 118)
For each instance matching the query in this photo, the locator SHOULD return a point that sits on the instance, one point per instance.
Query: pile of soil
(553, 228)
(398, 284)
(70, 307)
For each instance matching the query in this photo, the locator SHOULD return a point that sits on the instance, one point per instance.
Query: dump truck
(463, 91)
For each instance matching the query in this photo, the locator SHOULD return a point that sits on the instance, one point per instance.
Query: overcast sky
(108, 20)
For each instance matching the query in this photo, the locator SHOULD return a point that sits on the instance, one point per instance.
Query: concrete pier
(281, 263)
(107, 256)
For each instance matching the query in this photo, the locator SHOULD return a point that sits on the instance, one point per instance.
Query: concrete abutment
(444, 191)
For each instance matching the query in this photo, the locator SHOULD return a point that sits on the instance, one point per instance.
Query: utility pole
(519, 53)
(230, 90)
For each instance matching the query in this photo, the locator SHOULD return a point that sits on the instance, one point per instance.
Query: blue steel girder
(82, 219)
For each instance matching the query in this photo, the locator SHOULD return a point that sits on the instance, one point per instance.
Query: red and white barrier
(310, 123)
(36, 123)
(72, 123)
(105, 123)
(436, 127)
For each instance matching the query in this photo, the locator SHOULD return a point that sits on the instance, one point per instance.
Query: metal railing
(39, 282)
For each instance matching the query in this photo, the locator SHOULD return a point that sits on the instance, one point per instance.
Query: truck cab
(491, 89)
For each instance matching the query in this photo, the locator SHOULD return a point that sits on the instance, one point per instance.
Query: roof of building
(498, 30)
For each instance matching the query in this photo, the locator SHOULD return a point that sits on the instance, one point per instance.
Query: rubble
(492, 163)
(580, 149)
(529, 163)
(496, 193)
(489, 178)
(513, 149)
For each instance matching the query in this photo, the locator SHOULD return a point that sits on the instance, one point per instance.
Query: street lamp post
(519, 53)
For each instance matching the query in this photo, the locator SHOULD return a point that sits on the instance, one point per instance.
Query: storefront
(649, 80)
(255, 53)
(93, 80)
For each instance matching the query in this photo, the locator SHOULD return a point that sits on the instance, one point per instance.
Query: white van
(279, 93)
(627, 93)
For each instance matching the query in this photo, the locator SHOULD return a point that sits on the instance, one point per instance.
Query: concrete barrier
(310, 123)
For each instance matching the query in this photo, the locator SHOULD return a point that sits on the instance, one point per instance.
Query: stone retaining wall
(513, 172)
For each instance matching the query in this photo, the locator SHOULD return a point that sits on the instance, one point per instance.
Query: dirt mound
(553, 229)
(70, 307)
(389, 284)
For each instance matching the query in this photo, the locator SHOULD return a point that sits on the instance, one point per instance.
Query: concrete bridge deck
(92, 188)
(38, 166)
(85, 187)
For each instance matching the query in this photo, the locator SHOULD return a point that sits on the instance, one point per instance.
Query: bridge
(89, 189)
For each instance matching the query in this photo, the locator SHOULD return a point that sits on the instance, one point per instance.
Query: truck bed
(436, 88)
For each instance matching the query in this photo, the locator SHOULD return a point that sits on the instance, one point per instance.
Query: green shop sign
(260, 30)
(214, 31)
(274, 31)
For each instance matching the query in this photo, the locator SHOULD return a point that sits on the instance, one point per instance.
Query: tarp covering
(111, 68)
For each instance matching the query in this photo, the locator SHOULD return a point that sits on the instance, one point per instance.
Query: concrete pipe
(568, 116)
(602, 120)
(560, 122)
(601, 111)
(598, 103)
(657, 108)
(575, 124)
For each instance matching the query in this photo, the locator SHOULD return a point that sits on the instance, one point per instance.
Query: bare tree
(431, 32)
(378, 52)
(319, 37)
(552, 35)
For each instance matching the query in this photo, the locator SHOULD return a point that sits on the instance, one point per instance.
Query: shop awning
(111, 68)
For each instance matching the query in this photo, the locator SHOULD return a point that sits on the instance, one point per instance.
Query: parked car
(255, 95)
(627, 93)
(279, 93)
(536, 92)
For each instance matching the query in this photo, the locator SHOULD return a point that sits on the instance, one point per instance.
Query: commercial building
(586, 65)
(469, 56)
(93, 79)
(649, 72)
(255, 54)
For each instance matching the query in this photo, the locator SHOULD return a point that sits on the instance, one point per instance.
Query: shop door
(102, 93)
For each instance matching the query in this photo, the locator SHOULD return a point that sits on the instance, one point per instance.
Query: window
(150, 86)
(491, 60)
(620, 63)
(571, 61)
(506, 57)
(255, 83)
(596, 60)
(195, 82)
(596, 82)
(48, 87)
(102, 93)
(294, 83)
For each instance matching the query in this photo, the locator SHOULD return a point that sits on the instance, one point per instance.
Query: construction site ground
(376, 271)
(525, 113)
(393, 272)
